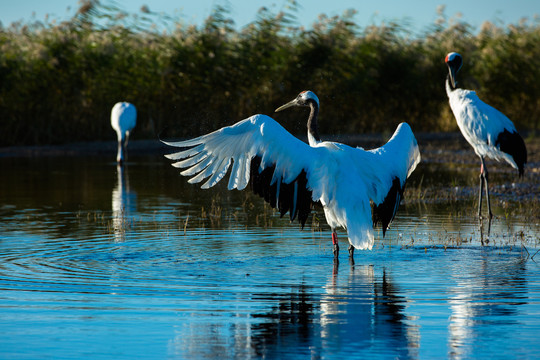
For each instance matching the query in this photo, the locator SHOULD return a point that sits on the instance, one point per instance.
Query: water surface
(101, 263)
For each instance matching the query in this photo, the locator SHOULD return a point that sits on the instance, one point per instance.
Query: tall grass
(58, 81)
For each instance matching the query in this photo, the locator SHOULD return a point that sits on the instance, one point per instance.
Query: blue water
(96, 263)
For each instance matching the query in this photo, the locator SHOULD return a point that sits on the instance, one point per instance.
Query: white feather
(185, 154)
(219, 172)
(194, 160)
(480, 123)
(344, 179)
(123, 120)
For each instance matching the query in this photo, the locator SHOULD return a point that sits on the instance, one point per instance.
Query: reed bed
(59, 80)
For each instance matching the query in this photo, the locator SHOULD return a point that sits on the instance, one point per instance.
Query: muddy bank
(97, 148)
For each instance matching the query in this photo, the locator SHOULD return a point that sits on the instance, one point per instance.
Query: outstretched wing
(262, 153)
(398, 159)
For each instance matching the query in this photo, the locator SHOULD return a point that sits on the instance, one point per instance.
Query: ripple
(82, 279)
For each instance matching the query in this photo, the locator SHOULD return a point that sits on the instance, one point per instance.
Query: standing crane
(357, 188)
(489, 131)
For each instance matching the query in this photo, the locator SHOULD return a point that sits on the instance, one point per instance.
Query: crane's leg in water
(351, 251)
(485, 172)
(335, 243)
(480, 189)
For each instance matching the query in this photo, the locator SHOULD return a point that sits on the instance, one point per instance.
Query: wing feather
(198, 167)
(242, 176)
(219, 172)
(190, 161)
(291, 175)
(233, 179)
(399, 157)
(185, 154)
(262, 153)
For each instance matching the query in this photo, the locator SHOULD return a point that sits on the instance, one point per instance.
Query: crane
(357, 188)
(489, 131)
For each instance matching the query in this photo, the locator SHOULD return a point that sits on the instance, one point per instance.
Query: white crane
(356, 188)
(489, 131)
(123, 120)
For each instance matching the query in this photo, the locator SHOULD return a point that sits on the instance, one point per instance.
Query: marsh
(96, 260)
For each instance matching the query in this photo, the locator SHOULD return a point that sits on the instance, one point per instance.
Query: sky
(418, 14)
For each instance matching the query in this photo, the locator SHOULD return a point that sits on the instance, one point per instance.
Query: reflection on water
(364, 309)
(124, 203)
(361, 313)
(486, 294)
(97, 261)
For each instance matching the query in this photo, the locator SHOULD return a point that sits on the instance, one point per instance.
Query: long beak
(287, 105)
(452, 73)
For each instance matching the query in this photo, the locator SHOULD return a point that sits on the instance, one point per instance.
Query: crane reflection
(124, 203)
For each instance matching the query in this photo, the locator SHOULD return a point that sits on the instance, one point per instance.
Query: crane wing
(483, 120)
(263, 155)
(489, 131)
(400, 156)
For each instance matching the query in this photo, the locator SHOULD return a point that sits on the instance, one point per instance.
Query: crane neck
(449, 86)
(312, 126)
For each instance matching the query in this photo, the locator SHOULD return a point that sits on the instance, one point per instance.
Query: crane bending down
(123, 120)
(489, 131)
(356, 188)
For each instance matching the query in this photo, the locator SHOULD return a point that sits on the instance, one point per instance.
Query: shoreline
(436, 148)
(366, 141)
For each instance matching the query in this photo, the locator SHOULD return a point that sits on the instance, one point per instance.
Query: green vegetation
(59, 81)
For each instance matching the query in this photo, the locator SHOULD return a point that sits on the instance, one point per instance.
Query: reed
(59, 80)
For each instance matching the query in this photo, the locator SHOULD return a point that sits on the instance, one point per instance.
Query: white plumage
(343, 179)
(480, 124)
(490, 132)
(123, 120)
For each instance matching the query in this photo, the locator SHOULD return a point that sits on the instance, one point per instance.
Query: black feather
(384, 212)
(513, 145)
(260, 184)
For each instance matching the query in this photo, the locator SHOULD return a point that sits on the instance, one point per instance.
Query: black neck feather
(312, 126)
(449, 82)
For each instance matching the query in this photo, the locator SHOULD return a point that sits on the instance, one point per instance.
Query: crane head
(303, 99)
(454, 61)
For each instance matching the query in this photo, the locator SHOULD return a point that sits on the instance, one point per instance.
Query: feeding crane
(123, 120)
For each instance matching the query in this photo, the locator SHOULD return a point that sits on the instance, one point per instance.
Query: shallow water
(101, 263)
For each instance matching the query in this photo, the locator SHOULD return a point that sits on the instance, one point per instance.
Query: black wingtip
(385, 211)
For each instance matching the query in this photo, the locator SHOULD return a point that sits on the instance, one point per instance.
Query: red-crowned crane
(123, 120)
(489, 131)
(356, 188)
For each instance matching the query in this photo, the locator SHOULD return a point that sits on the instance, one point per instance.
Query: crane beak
(452, 73)
(287, 105)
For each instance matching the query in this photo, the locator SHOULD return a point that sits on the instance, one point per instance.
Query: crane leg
(485, 174)
(120, 153)
(480, 189)
(335, 243)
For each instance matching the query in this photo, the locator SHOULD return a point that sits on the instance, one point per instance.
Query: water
(99, 263)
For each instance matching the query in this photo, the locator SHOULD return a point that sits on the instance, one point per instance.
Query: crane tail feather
(512, 144)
